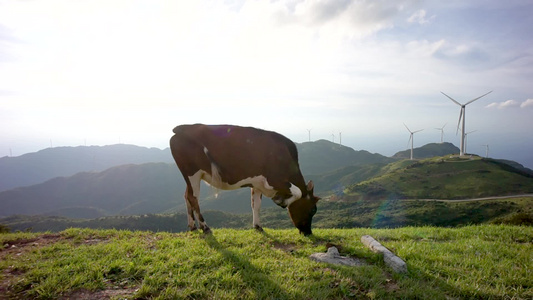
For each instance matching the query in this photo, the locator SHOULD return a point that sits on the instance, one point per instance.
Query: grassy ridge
(445, 178)
(486, 262)
(349, 212)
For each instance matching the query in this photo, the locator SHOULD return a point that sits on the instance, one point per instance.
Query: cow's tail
(216, 180)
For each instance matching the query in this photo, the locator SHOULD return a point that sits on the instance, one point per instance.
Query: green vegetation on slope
(479, 262)
(157, 188)
(429, 150)
(324, 156)
(350, 212)
(345, 212)
(445, 178)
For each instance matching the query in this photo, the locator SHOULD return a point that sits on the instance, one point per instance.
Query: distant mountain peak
(36, 167)
(428, 150)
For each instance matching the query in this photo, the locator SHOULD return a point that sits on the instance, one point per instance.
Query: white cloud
(511, 104)
(420, 17)
(527, 103)
(492, 105)
(350, 19)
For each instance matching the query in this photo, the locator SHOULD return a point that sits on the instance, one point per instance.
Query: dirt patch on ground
(284, 247)
(103, 294)
(40, 240)
(18, 247)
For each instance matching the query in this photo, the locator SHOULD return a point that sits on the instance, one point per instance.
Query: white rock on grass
(332, 256)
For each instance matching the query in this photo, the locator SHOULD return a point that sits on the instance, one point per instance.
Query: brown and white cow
(230, 157)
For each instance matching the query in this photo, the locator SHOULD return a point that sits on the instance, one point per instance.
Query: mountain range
(37, 167)
(141, 187)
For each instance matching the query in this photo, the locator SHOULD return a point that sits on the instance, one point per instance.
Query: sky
(92, 72)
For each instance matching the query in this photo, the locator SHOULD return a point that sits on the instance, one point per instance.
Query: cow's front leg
(256, 207)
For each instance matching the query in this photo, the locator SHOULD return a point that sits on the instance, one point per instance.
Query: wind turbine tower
(466, 137)
(461, 122)
(411, 138)
(486, 150)
(309, 132)
(441, 133)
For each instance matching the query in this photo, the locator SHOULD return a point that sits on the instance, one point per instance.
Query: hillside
(38, 167)
(127, 189)
(142, 188)
(428, 150)
(323, 156)
(475, 262)
(336, 181)
(445, 178)
(159, 187)
(34, 168)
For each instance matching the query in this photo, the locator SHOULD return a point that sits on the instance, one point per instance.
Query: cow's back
(238, 152)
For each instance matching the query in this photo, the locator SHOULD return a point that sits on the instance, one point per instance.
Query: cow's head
(302, 210)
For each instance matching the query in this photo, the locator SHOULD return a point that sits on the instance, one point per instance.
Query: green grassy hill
(445, 178)
(323, 156)
(428, 150)
(475, 262)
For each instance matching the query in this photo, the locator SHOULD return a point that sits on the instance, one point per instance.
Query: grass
(444, 178)
(487, 261)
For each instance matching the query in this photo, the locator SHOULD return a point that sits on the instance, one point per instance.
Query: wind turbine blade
(418, 131)
(452, 99)
(406, 127)
(477, 98)
(444, 125)
(410, 137)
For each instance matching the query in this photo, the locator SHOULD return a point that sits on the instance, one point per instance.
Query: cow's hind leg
(256, 207)
(193, 207)
(190, 214)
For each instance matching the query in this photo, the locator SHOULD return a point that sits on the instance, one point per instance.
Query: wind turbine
(441, 132)
(309, 132)
(411, 138)
(466, 136)
(462, 116)
(486, 150)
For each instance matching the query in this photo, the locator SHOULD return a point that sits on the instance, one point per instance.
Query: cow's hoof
(193, 228)
(258, 228)
(207, 230)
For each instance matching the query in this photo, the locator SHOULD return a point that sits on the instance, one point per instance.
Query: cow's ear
(316, 199)
(310, 186)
